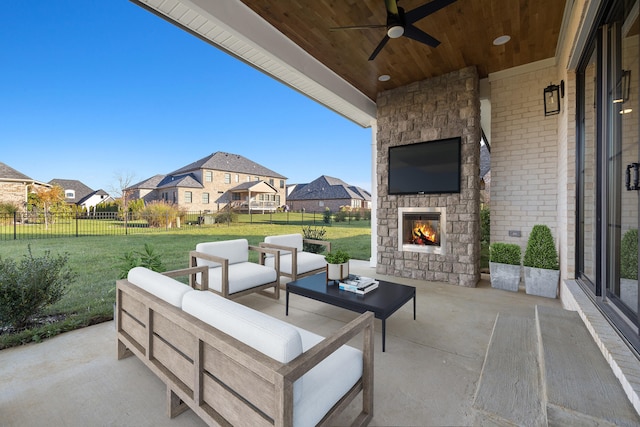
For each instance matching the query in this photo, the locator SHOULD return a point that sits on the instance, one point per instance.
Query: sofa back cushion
(234, 250)
(290, 240)
(165, 288)
(268, 335)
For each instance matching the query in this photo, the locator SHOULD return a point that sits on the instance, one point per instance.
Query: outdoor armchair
(294, 261)
(231, 274)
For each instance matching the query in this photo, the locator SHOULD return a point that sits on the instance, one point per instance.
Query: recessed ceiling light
(384, 78)
(499, 41)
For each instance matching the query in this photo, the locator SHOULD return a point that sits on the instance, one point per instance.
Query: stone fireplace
(446, 106)
(422, 230)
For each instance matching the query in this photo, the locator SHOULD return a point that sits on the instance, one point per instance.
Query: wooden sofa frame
(294, 257)
(223, 380)
(225, 273)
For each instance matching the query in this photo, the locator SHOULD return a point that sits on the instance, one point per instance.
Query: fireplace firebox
(422, 230)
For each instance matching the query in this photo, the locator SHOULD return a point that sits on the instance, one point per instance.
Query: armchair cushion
(306, 262)
(290, 240)
(244, 275)
(234, 250)
(165, 288)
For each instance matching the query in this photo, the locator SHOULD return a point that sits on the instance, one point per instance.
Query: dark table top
(383, 301)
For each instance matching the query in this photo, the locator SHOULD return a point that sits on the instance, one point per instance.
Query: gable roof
(81, 191)
(8, 173)
(149, 183)
(254, 186)
(327, 188)
(185, 181)
(230, 163)
(485, 160)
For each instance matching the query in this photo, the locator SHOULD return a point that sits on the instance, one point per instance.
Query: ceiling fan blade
(379, 48)
(426, 9)
(392, 6)
(358, 27)
(420, 36)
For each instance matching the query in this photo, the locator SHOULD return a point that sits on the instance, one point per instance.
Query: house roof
(485, 160)
(328, 188)
(149, 183)
(230, 163)
(254, 186)
(8, 173)
(184, 181)
(81, 191)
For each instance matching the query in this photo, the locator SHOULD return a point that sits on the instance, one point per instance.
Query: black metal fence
(38, 225)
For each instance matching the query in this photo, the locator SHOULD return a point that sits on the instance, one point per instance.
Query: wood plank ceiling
(466, 30)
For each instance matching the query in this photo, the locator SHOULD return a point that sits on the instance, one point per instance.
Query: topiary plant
(541, 251)
(629, 255)
(505, 253)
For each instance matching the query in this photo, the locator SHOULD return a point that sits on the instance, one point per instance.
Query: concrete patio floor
(427, 376)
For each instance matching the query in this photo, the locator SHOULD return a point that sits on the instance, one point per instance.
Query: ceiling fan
(400, 23)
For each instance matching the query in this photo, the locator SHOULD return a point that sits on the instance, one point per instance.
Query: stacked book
(358, 284)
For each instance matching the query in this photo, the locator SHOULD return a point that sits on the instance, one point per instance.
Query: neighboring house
(15, 186)
(327, 192)
(215, 182)
(485, 174)
(77, 193)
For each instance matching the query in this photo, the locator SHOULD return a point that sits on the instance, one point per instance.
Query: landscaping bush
(629, 255)
(226, 216)
(314, 233)
(541, 251)
(326, 217)
(160, 213)
(505, 253)
(341, 215)
(26, 288)
(149, 258)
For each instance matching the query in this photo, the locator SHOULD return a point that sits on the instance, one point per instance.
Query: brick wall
(442, 107)
(524, 157)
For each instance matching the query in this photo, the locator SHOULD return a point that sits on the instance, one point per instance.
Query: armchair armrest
(318, 242)
(270, 249)
(224, 263)
(191, 272)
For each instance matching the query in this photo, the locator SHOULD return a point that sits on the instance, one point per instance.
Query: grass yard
(96, 259)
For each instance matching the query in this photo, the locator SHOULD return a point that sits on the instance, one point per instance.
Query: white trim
(234, 28)
(373, 261)
(583, 33)
(523, 69)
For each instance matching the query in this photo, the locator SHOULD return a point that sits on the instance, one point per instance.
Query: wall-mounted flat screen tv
(425, 167)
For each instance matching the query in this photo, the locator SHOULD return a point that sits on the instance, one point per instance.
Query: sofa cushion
(165, 288)
(234, 250)
(307, 261)
(327, 382)
(270, 336)
(244, 275)
(289, 240)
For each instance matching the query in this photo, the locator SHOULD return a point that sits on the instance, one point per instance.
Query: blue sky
(92, 90)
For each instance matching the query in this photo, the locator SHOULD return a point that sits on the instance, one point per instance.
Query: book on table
(359, 290)
(358, 282)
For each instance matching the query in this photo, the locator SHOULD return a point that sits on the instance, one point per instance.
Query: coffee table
(383, 301)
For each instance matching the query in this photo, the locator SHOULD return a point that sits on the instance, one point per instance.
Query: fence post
(166, 222)
(76, 223)
(15, 225)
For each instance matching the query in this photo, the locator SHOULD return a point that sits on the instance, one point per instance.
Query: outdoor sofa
(233, 365)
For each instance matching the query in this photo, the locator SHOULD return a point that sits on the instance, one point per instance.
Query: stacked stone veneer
(442, 107)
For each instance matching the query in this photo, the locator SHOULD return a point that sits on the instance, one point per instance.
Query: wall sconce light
(552, 95)
(623, 88)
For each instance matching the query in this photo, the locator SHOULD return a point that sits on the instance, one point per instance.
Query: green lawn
(96, 259)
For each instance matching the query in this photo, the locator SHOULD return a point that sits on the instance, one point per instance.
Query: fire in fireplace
(421, 229)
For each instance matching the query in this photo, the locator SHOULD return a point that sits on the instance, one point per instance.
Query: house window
(248, 179)
(174, 197)
(236, 196)
(188, 196)
(69, 194)
(227, 178)
(208, 176)
(282, 183)
(237, 178)
(321, 203)
(256, 178)
(271, 182)
(205, 198)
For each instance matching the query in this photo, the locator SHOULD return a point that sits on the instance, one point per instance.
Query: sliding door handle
(636, 177)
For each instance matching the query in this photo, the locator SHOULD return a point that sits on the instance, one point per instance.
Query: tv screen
(425, 168)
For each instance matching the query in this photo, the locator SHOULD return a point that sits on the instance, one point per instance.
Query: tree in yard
(49, 199)
(121, 190)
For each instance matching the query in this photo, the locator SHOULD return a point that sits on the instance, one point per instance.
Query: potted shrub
(337, 265)
(629, 269)
(504, 266)
(541, 268)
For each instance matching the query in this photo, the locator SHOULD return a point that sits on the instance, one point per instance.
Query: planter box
(541, 282)
(505, 276)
